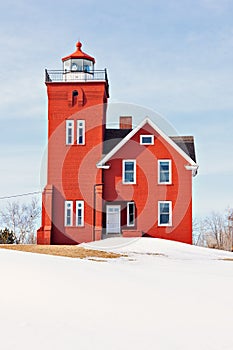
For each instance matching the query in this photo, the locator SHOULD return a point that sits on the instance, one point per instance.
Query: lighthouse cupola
(78, 67)
(78, 61)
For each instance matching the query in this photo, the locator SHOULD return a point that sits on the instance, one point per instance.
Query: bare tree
(215, 231)
(22, 220)
(199, 233)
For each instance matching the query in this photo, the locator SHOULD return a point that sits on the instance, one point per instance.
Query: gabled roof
(117, 138)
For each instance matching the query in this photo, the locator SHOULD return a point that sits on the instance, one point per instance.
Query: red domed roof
(79, 54)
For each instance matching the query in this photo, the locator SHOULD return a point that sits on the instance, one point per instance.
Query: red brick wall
(72, 169)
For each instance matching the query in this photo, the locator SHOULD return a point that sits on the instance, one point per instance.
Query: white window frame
(160, 182)
(69, 206)
(123, 171)
(69, 126)
(146, 143)
(81, 126)
(170, 213)
(81, 207)
(128, 214)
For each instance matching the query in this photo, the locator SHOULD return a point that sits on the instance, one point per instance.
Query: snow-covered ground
(164, 295)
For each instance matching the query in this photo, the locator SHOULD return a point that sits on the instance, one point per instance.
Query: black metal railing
(72, 76)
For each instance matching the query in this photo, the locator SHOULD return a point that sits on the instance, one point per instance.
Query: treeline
(215, 230)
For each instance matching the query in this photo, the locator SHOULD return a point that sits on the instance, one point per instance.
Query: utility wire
(21, 195)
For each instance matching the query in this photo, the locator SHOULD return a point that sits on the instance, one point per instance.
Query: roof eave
(193, 168)
(74, 55)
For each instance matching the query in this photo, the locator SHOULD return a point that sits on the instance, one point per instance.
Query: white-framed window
(164, 213)
(69, 132)
(79, 213)
(130, 214)
(164, 171)
(81, 132)
(146, 139)
(68, 213)
(129, 171)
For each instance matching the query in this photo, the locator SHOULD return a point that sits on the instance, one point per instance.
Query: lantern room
(78, 61)
(78, 67)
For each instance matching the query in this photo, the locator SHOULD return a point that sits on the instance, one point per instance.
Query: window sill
(165, 225)
(165, 183)
(129, 183)
(74, 226)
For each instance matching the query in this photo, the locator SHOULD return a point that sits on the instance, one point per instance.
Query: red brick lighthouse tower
(71, 201)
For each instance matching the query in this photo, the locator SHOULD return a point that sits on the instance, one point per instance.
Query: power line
(20, 195)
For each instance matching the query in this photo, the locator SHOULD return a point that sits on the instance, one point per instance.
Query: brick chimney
(125, 122)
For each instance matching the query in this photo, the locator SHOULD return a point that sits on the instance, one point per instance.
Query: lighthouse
(105, 182)
(71, 200)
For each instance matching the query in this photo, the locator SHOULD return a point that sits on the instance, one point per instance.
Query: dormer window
(146, 139)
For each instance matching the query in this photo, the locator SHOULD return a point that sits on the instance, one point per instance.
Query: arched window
(74, 97)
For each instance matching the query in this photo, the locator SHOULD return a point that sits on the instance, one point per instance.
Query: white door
(113, 219)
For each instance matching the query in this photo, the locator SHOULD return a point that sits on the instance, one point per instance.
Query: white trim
(118, 228)
(134, 131)
(68, 206)
(194, 169)
(102, 166)
(170, 172)
(124, 161)
(82, 213)
(81, 126)
(170, 213)
(147, 143)
(128, 223)
(69, 126)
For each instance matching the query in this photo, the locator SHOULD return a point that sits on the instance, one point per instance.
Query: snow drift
(163, 295)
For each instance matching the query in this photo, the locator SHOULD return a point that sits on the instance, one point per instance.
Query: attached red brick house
(101, 181)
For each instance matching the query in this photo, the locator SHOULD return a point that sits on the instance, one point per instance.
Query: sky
(172, 57)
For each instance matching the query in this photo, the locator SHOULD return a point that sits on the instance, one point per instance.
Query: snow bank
(155, 245)
(166, 295)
